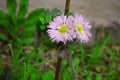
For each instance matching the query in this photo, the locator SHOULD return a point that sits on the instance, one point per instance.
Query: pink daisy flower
(82, 28)
(61, 29)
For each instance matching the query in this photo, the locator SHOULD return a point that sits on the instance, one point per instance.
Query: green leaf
(98, 77)
(29, 28)
(48, 16)
(94, 58)
(43, 27)
(22, 8)
(68, 74)
(42, 19)
(3, 19)
(76, 63)
(106, 40)
(72, 51)
(3, 37)
(55, 12)
(32, 55)
(48, 76)
(70, 14)
(7, 22)
(27, 35)
(27, 40)
(20, 23)
(34, 16)
(46, 41)
(65, 62)
(89, 74)
(12, 6)
(35, 74)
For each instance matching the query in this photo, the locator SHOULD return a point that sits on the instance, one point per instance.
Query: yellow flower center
(63, 29)
(80, 27)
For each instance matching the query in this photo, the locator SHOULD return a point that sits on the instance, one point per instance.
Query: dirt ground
(98, 12)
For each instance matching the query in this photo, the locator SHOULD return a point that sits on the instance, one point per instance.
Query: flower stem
(59, 61)
(61, 55)
(67, 6)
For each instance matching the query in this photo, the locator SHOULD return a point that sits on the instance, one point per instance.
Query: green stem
(12, 54)
(72, 66)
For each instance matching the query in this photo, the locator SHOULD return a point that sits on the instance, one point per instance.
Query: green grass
(99, 62)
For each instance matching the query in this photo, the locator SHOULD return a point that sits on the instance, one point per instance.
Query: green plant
(18, 26)
(48, 75)
(21, 30)
(22, 68)
(91, 61)
(44, 20)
